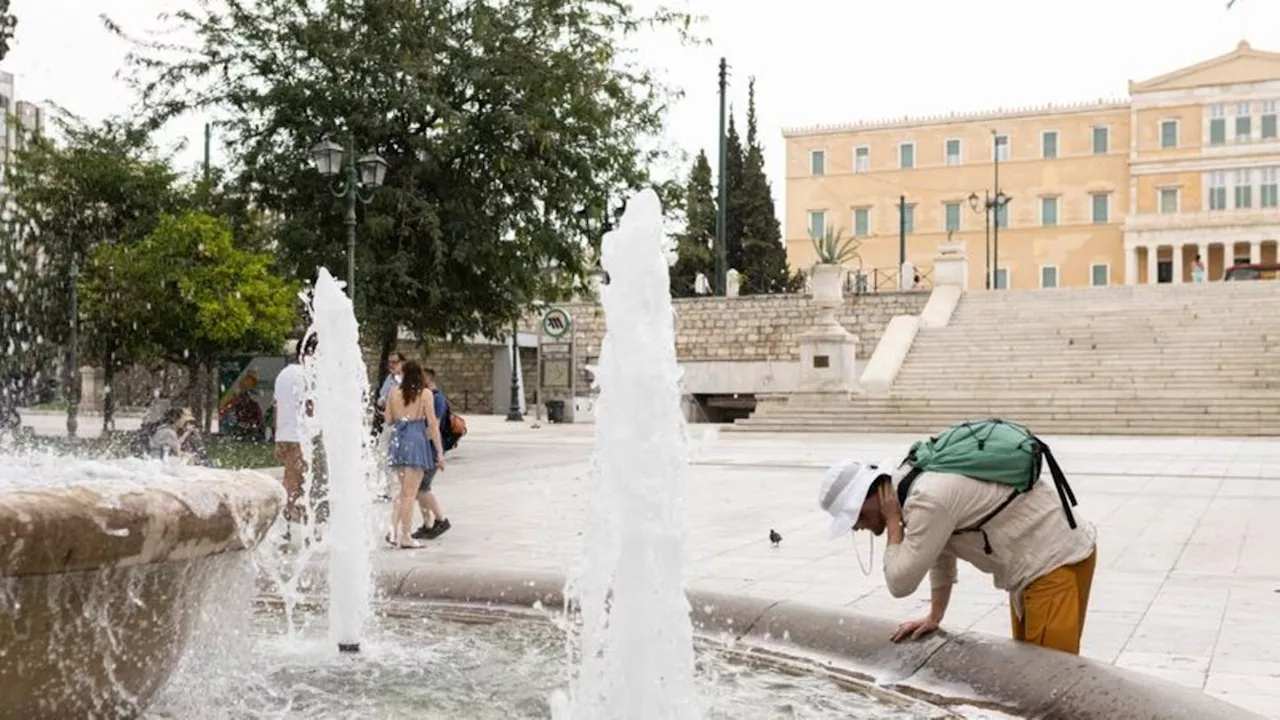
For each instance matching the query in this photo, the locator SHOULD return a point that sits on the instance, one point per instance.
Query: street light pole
(352, 185)
(995, 233)
(513, 412)
(365, 173)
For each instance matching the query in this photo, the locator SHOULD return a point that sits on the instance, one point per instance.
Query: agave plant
(833, 248)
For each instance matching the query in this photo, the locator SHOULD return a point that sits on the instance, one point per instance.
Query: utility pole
(723, 207)
(208, 142)
(902, 238)
(998, 203)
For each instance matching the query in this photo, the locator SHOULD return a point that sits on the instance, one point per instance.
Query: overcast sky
(815, 61)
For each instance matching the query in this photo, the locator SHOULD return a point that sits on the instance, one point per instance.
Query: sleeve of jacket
(929, 527)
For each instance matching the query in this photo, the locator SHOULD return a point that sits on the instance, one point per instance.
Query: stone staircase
(1124, 360)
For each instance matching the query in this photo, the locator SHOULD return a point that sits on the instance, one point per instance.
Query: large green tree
(734, 167)
(191, 296)
(694, 245)
(104, 184)
(8, 23)
(764, 256)
(509, 128)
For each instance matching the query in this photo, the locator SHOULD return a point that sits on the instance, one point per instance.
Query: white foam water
(341, 386)
(634, 654)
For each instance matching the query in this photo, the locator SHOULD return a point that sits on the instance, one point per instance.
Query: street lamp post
(513, 412)
(365, 173)
(992, 207)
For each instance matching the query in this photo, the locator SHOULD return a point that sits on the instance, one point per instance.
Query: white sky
(815, 61)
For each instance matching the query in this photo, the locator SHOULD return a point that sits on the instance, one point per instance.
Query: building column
(1255, 252)
(1177, 263)
(1131, 265)
(1153, 252)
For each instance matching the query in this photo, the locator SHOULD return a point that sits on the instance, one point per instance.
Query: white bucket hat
(843, 491)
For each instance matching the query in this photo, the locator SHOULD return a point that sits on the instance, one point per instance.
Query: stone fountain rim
(969, 668)
(118, 522)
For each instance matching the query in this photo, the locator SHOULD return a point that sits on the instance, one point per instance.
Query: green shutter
(1049, 211)
(1100, 208)
(909, 218)
(1098, 275)
(861, 222)
(817, 223)
(953, 217)
(1049, 145)
(1169, 134)
(1269, 127)
(818, 162)
(1100, 141)
(1217, 131)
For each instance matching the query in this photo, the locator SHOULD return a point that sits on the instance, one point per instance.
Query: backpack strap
(978, 526)
(1065, 494)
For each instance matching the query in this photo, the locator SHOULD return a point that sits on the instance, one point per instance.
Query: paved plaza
(1188, 582)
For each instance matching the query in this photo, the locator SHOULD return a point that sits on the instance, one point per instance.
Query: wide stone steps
(1130, 360)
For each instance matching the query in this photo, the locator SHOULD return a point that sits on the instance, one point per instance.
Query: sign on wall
(556, 322)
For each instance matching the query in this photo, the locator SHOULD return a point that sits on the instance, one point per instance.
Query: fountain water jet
(341, 386)
(636, 657)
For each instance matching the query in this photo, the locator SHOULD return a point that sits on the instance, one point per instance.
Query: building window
(1244, 189)
(862, 159)
(1101, 207)
(1101, 140)
(1217, 124)
(1049, 144)
(1002, 278)
(861, 222)
(818, 162)
(1268, 121)
(953, 151)
(1099, 275)
(1169, 134)
(1049, 211)
(1002, 216)
(908, 218)
(907, 156)
(952, 217)
(1267, 189)
(1001, 147)
(1048, 276)
(817, 223)
(1244, 123)
(1168, 200)
(1218, 190)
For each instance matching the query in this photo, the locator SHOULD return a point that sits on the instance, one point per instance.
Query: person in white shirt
(293, 406)
(395, 367)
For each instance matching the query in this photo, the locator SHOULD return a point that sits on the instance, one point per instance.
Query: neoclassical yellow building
(1103, 193)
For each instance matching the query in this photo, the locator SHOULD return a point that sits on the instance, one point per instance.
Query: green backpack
(995, 451)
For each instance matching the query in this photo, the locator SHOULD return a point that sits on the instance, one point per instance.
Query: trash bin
(555, 411)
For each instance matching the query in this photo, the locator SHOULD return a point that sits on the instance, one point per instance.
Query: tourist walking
(293, 406)
(1198, 273)
(1011, 525)
(413, 449)
(434, 522)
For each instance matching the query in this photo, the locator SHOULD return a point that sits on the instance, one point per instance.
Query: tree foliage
(753, 237)
(694, 246)
(102, 184)
(508, 128)
(764, 256)
(192, 296)
(8, 23)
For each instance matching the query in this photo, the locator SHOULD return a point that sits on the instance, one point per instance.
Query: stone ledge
(1020, 678)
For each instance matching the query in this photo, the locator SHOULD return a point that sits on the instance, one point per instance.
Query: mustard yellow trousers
(1054, 606)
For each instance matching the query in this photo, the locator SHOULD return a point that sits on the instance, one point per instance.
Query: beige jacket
(1029, 538)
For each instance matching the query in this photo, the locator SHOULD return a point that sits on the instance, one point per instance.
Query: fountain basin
(950, 669)
(103, 572)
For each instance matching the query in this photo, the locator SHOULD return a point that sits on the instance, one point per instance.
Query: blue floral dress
(409, 446)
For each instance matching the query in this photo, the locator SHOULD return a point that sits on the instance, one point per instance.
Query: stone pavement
(1188, 580)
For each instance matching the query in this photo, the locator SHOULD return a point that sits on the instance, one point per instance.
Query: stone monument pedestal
(951, 266)
(828, 355)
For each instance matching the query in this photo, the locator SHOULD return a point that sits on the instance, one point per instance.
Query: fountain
(103, 574)
(107, 571)
(341, 383)
(636, 656)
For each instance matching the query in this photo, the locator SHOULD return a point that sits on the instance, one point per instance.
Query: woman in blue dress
(415, 434)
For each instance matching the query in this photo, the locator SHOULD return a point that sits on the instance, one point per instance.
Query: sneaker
(441, 527)
(422, 533)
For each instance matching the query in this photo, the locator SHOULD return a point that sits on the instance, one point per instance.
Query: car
(1252, 272)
